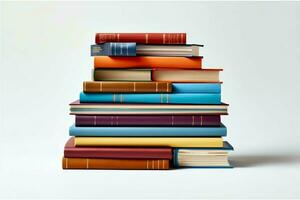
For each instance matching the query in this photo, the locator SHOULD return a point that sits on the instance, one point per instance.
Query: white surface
(45, 58)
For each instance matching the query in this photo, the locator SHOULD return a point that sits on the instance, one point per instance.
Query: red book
(71, 151)
(142, 38)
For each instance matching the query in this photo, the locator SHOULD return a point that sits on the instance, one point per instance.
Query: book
(196, 88)
(133, 49)
(142, 38)
(70, 151)
(77, 108)
(147, 120)
(150, 141)
(122, 75)
(202, 157)
(110, 163)
(162, 98)
(126, 87)
(200, 76)
(147, 62)
(147, 131)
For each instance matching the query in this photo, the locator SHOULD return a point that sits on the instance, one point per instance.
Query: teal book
(162, 98)
(196, 88)
(216, 157)
(148, 131)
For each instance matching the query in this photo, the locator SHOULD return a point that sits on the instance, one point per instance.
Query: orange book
(148, 62)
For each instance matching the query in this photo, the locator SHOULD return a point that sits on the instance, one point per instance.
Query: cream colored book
(150, 141)
(197, 76)
(168, 50)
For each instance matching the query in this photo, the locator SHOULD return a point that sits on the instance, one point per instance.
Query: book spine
(114, 49)
(147, 131)
(148, 62)
(147, 120)
(126, 87)
(163, 98)
(142, 38)
(129, 153)
(104, 163)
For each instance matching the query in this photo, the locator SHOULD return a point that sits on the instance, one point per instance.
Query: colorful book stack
(150, 105)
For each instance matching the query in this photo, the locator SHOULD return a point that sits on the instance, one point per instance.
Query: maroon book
(71, 151)
(147, 120)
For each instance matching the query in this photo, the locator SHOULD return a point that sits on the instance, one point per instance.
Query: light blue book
(163, 98)
(147, 131)
(196, 88)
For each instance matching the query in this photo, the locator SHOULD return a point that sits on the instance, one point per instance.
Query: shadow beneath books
(262, 160)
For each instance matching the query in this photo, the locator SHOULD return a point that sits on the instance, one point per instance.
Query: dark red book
(70, 151)
(147, 120)
(142, 38)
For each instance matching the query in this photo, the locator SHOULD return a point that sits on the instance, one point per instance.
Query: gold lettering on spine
(87, 163)
(181, 38)
(152, 164)
(147, 164)
(157, 164)
(95, 120)
(156, 86)
(121, 98)
(101, 87)
(193, 120)
(201, 120)
(67, 164)
(168, 86)
(164, 38)
(146, 38)
(163, 163)
(118, 37)
(114, 97)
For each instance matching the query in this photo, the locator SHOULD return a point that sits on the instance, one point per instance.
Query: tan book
(126, 87)
(200, 76)
(122, 75)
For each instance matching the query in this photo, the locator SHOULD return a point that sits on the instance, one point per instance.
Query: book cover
(147, 131)
(196, 88)
(147, 120)
(150, 141)
(126, 87)
(77, 108)
(109, 163)
(70, 151)
(142, 38)
(148, 62)
(162, 98)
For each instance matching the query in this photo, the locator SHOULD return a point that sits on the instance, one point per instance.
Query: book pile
(150, 105)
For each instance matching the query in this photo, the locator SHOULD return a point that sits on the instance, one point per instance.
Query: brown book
(125, 87)
(105, 163)
(143, 75)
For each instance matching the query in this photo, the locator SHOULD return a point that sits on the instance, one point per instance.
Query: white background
(45, 58)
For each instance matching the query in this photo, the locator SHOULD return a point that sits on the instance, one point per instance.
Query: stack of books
(150, 105)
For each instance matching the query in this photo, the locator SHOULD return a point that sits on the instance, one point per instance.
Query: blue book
(147, 131)
(196, 88)
(114, 49)
(163, 98)
(216, 157)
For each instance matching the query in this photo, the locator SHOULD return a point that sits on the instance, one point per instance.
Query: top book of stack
(142, 38)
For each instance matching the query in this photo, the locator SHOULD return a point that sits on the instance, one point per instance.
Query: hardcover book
(109, 163)
(200, 76)
(202, 157)
(78, 108)
(147, 120)
(147, 62)
(122, 75)
(196, 88)
(70, 151)
(133, 49)
(150, 141)
(142, 38)
(147, 131)
(126, 87)
(162, 98)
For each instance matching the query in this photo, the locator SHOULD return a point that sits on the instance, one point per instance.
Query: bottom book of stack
(81, 153)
